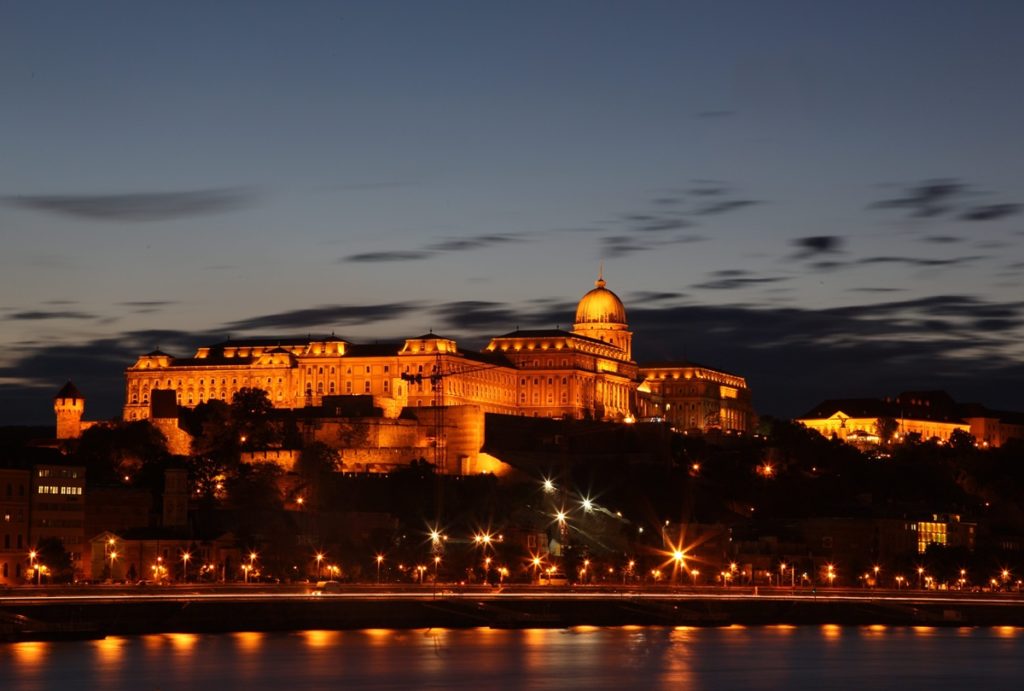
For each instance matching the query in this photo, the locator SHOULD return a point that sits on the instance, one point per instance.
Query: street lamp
(678, 556)
(437, 560)
(920, 576)
(876, 569)
(113, 556)
(185, 556)
(380, 559)
(319, 560)
(782, 573)
(830, 574)
(899, 582)
(32, 555)
(694, 573)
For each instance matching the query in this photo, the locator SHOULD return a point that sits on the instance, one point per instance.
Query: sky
(825, 198)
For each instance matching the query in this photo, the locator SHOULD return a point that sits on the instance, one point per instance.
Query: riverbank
(95, 614)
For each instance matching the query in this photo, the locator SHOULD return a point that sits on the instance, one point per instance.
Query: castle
(587, 372)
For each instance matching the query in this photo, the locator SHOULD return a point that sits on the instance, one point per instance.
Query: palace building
(584, 373)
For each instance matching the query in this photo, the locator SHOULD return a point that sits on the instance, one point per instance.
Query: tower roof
(69, 390)
(600, 306)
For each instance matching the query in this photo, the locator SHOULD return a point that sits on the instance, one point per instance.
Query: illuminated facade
(925, 414)
(585, 373)
(695, 398)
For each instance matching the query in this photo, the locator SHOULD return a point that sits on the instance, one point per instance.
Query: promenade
(55, 612)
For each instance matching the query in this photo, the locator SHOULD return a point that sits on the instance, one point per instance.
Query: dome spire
(600, 276)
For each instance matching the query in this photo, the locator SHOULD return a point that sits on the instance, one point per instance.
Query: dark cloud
(919, 261)
(814, 245)
(792, 357)
(471, 243)
(614, 246)
(325, 316)
(137, 207)
(990, 212)
(942, 239)
(661, 225)
(946, 197)
(647, 297)
(459, 244)
(394, 256)
(724, 206)
(473, 316)
(732, 279)
(926, 199)
(148, 303)
(39, 315)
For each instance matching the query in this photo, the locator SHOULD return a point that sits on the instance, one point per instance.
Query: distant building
(14, 524)
(929, 414)
(57, 508)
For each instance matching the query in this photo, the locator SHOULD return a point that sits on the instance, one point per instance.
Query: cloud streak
(137, 207)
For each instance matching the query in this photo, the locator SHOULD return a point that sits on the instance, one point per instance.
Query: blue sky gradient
(823, 197)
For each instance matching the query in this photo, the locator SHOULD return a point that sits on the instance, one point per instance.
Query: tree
(961, 440)
(50, 553)
(886, 428)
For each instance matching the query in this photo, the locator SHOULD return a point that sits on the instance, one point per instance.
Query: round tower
(69, 405)
(601, 315)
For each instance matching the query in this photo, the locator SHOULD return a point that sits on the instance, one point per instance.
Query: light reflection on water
(795, 658)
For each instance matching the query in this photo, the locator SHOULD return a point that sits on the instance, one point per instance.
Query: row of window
(59, 489)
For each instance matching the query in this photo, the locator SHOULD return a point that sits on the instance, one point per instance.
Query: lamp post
(113, 556)
(694, 573)
(252, 562)
(380, 560)
(319, 560)
(782, 573)
(437, 561)
(876, 569)
(678, 556)
(32, 555)
(920, 576)
(185, 557)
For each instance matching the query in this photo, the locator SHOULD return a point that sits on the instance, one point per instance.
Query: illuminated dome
(600, 306)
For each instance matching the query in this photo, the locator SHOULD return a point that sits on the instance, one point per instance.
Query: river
(822, 658)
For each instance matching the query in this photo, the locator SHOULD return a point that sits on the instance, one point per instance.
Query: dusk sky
(824, 197)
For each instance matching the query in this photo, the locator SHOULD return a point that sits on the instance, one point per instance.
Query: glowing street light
(319, 560)
(113, 556)
(830, 574)
(185, 556)
(587, 504)
(693, 574)
(437, 561)
(782, 573)
(380, 560)
(32, 556)
(549, 486)
(899, 582)
(920, 576)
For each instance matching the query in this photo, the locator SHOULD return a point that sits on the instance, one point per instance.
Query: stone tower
(69, 405)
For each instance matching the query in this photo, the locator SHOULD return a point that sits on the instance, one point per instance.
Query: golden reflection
(30, 653)
(109, 649)
(536, 637)
(924, 630)
(183, 641)
(831, 631)
(1006, 631)
(585, 629)
(875, 630)
(378, 637)
(320, 639)
(783, 628)
(249, 641)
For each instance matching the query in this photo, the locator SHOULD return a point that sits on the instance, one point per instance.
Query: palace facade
(587, 372)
